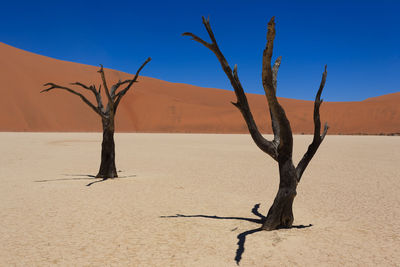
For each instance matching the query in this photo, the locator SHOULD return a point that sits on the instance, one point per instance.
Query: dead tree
(107, 114)
(280, 215)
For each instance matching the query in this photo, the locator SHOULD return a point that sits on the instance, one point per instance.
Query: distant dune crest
(157, 106)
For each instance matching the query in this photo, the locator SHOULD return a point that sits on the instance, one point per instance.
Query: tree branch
(55, 86)
(198, 39)
(275, 69)
(121, 93)
(114, 89)
(96, 93)
(82, 85)
(275, 124)
(282, 126)
(110, 104)
(242, 103)
(318, 138)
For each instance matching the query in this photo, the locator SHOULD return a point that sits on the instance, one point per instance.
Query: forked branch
(95, 92)
(110, 105)
(318, 138)
(241, 103)
(55, 86)
(113, 97)
(120, 94)
(280, 124)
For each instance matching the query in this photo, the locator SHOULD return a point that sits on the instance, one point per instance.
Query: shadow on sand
(242, 236)
(83, 177)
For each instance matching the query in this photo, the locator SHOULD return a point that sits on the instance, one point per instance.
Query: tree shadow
(98, 181)
(242, 236)
(88, 175)
(85, 177)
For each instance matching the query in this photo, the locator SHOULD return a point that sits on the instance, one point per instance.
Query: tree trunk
(107, 166)
(280, 215)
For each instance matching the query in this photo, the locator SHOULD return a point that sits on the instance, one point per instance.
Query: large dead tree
(280, 215)
(107, 114)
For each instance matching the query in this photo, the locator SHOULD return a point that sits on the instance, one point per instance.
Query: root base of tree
(108, 176)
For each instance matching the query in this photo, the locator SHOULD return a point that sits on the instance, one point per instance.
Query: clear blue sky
(358, 40)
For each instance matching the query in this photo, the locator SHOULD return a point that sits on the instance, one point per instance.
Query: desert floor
(185, 200)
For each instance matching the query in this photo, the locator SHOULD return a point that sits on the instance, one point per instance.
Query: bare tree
(107, 114)
(280, 214)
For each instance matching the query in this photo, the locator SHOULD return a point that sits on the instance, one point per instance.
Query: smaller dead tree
(280, 215)
(107, 114)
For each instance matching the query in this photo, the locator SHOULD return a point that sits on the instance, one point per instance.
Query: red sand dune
(158, 106)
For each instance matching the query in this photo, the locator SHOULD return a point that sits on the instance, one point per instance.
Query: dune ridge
(158, 106)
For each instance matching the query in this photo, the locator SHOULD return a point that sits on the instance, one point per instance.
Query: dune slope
(158, 106)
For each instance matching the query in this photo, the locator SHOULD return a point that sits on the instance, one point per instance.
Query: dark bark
(241, 103)
(107, 165)
(318, 138)
(280, 214)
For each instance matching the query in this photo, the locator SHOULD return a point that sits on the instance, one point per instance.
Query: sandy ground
(349, 193)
